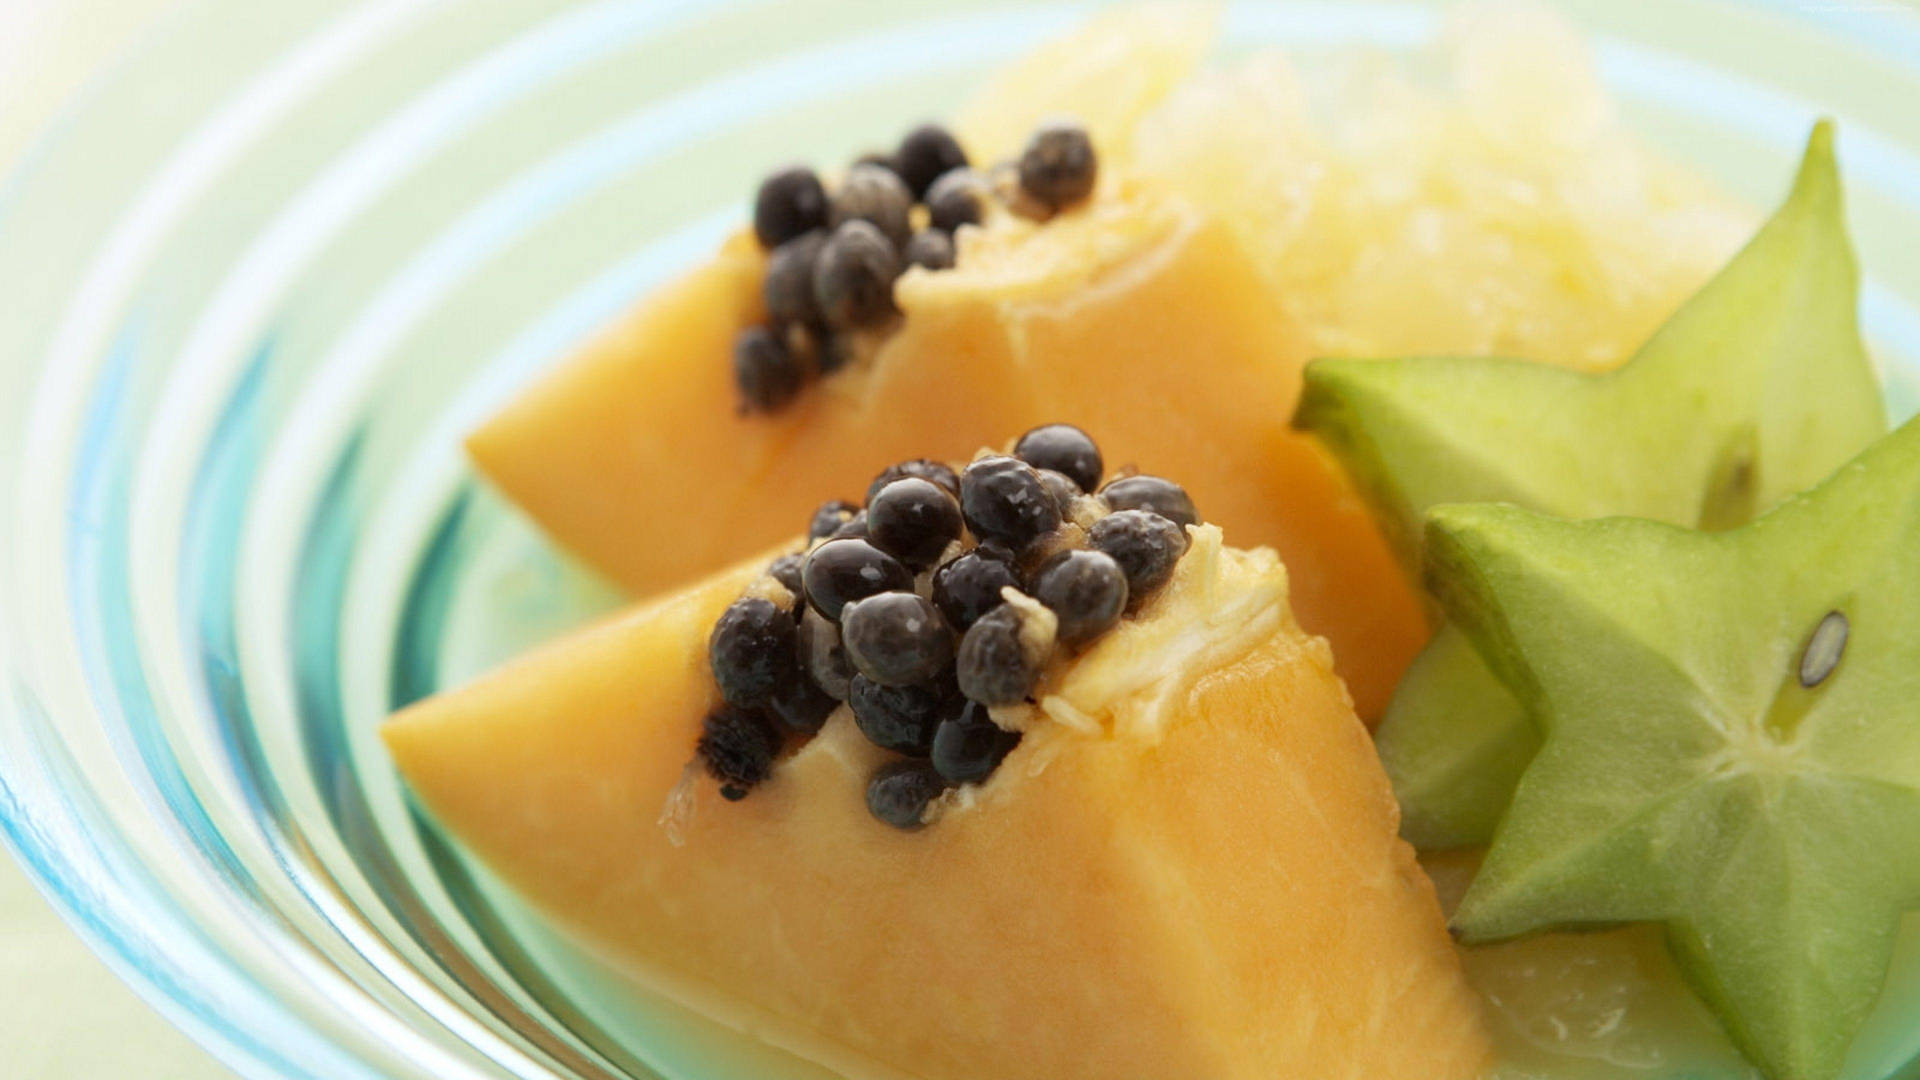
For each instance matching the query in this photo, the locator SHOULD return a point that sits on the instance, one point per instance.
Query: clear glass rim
(204, 990)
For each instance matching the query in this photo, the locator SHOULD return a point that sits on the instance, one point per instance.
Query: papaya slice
(1187, 867)
(1136, 317)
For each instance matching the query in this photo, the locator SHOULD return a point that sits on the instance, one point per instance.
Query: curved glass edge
(44, 829)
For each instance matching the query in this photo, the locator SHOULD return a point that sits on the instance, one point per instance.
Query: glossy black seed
(1000, 658)
(926, 154)
(899, 793)
(924, 468)
(800, 706)
(1163, 497)
(1146, 545)
(1058, 166)
(913, 520)
(1002, 498)
(751, 651)
(854, 528)
(929, 248)
(737, 747)
(788, 284)
(1063, 490)
(903, 718)
(765, 370)
(1066, 450)
(960, 197)
(896, 638)
(1087, 590)
(832, 514)
(822, 656)
(878, 160)
(786, 571)
(789, 203)
(969, 586)
(832, 351)
(970, 746)
(853, 278)
(874, 195)
(998, 550)
(841, 571)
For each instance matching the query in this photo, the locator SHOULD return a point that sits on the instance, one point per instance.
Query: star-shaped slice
(1757, 388)
(1732, 740)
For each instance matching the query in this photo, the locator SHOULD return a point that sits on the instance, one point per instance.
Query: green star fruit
(1731, 748)
(1755, 389)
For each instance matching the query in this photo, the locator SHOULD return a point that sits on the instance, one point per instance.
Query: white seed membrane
(676, 813)
(769, 588)
(1221, 604)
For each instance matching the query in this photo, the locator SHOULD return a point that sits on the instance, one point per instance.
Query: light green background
(63, 1014)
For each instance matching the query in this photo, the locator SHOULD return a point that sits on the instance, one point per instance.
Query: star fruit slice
(1756, 388)
(1732, 740)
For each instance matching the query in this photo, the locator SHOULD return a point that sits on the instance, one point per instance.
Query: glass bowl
(273, 265)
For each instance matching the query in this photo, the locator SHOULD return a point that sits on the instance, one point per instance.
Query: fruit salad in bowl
(1269, 541)
(1114, 531)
